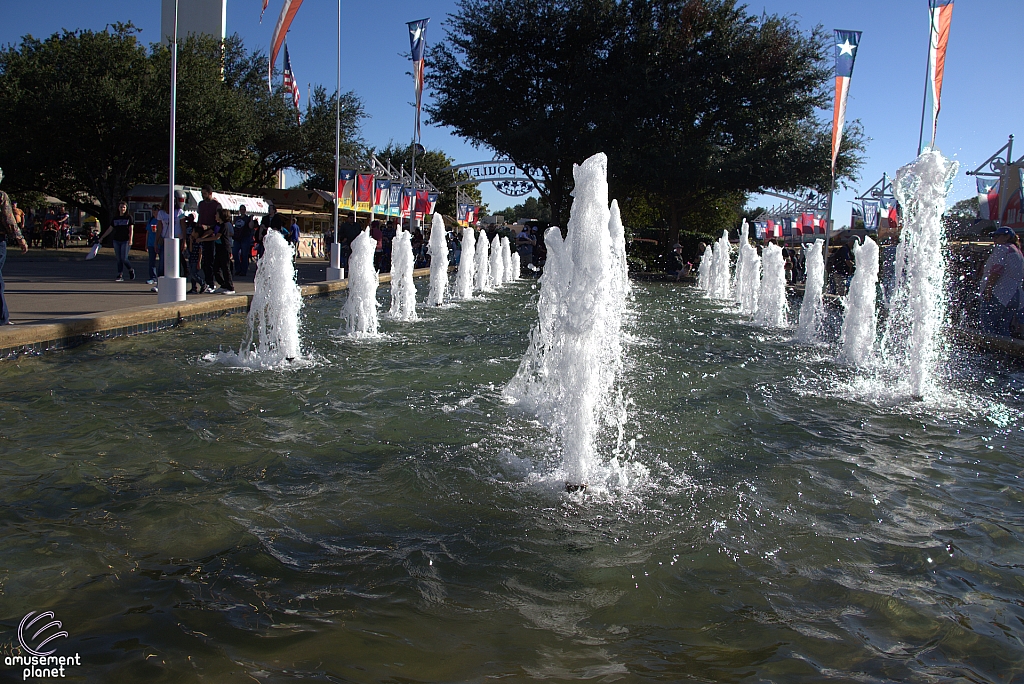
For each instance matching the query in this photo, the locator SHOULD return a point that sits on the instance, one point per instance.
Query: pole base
(335, 273)
(170, 290)
(573, 488)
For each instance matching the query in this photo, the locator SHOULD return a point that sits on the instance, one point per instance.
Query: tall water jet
(772, 305)
(720, 262)
(516, 266)
(748, 273)
(917, 305)
(483, 266)
(859, 328)
(438, 250)
(704, 269)
(403, 289)
(567, 375)
(497, 265)
(812, 309)
(360, 310)
(273, 320)
(467, 265)
(506, 260)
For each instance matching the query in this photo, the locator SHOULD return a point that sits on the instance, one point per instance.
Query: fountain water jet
(704, 270)
(438, 250)
(748, 273)
(467, 265)
(812, 309)
(515, 266)
(772, 305)
(506, 260)
(917, 305)
(403, 289)
(720, 280)
(360, 310)
(859, 329)
(497, 265)
(273, 320)
(567, 375)
(483, 267)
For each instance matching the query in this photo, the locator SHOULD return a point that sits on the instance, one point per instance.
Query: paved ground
(49, 284)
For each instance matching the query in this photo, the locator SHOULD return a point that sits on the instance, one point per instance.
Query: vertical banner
(422, 204)
(432, 202)
(417, 41)
(1013, 196)
(284, 21)
(408, 196)
(988, 198)
(381, 195)
(807, 223)
(364, 191)
(856, 214)
(870, 216)
(759, 228)
(346, 189)
(395, 199)
(462, 213)
(769, 232)
(940, 16)
(846, 53)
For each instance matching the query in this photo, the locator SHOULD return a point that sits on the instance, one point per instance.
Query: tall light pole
(171, 287)
(335, 271)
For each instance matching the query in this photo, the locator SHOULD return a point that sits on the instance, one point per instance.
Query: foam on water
(467, 265)
(748, 274)
(403, 289)
(918, 305)
(483, 265)
(568, 374)
(272, 339)
(438, 250)
(360, 310)
(857, 340)
(812, 308)
(772, 304)
(497, 272)
(719, 284)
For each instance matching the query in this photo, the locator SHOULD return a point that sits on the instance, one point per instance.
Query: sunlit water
(383, 515)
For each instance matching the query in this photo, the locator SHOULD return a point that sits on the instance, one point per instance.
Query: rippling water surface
(382, 515)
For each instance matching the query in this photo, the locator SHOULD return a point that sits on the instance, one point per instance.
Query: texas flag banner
(988, 198)
(846, 53)
(940, 16)
(770, 231)
(346, 189)
(819, 225)
(381, 195)
(395, 200)
(408, 196)
(364, 191)
(471, 213)
(422, 204)
(417, 41)
(432, 202)
(806, 223)
(284, 21)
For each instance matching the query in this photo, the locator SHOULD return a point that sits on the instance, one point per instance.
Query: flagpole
(171, 287)
(927, 71)
(335, 272)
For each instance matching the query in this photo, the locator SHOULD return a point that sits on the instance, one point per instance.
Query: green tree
(531, 208)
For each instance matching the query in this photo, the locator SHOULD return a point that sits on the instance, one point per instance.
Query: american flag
(289, 81)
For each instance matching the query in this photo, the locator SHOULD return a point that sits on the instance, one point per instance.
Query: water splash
(857, 339)
(438, 250)
(812, 309)
(515, 266)
(403, 289)
(506, 260)
(748, 274)
(497, 265)
(721, 259)
(917, 305)
(567, 375)
(483, 266)
(467, 265)
(704, 270)
(360, 310)
(772, 306)
(273, 336)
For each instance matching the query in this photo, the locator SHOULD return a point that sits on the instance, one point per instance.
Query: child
(193, 235)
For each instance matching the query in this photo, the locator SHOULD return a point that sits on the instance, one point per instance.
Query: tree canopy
(694, 101)
(91, 111)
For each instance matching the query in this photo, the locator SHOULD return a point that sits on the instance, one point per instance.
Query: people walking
(9, 233)
(242, 241)
(152, 238)
(120, 230)
(222, 252)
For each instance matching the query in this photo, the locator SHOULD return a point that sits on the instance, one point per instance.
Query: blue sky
(982, 99)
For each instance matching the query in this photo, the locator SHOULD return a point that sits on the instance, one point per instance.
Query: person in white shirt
(164, 219)
(1001, 293)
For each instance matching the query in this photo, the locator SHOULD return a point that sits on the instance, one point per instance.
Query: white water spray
(859, 328)
(918, 306)
(748, 273)
(360, 310)
(506, 260)
(515, 265)
(403, 289)
(467, 265)
(497, 265)
(722, 257)
(772, 305)
(704, 270)
(483, 265)
(812, 309)
(438, 250)
(567, 375)
(273, 336)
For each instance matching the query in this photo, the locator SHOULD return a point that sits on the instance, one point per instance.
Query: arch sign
(507, 178)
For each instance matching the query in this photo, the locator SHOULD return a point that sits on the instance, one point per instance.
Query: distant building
(208, 17)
